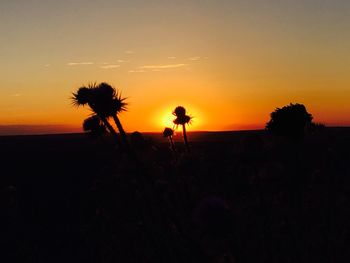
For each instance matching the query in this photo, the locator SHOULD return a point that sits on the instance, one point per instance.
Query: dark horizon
(24, 130)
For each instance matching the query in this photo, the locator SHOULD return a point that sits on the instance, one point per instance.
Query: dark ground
(237, 197)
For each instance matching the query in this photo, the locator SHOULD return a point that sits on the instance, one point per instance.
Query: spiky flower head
(181, 120)
(106, 89)
(179, 111)
(181, 117)
(103, 99)
(103, 93)
(168, 132)
(119, 103)
(81, 97)
(94, 126)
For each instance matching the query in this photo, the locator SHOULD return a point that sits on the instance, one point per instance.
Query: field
(235, 197)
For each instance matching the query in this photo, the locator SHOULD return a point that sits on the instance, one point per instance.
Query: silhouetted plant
(85, 96)
(109, 103)
(182, 119)
(290, 121)
(94, 126)
(168, 133)
(105, 102)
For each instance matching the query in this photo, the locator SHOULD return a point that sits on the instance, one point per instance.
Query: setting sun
(164, 118)
(167, 120)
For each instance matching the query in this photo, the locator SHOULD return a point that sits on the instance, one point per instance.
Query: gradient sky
(230, 63)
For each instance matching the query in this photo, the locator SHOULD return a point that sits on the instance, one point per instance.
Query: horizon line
(43, 133)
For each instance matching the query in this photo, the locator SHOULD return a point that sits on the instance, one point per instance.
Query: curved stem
(110, 129)
(121, 131)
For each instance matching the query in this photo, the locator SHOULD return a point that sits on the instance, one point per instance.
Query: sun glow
(165, 118)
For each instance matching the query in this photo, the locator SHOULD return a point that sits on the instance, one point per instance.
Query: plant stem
(185, 137)
(172, 143)
(121, 131)
(110, 129)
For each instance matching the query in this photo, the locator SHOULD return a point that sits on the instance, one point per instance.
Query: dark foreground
(237, 197)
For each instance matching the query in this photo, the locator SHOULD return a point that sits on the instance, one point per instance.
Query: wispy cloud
(110, 66)
(171, 57)
(194, 58)
(122, 61)
(163, 66)
(129, 52)
(47, 65)
(137, 71)
(16, 95)
(79, 63)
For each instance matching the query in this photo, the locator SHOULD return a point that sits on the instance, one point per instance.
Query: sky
(230, 63)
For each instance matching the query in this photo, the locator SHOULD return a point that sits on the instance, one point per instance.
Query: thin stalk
(121, 131)
(106, 123)
(110, 129)
(172, 143)
(185, 137)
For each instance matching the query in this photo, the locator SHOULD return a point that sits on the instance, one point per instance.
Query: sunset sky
(230, 63)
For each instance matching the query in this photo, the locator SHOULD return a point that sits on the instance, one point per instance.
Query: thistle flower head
(81, 97)
(168, 132)
(179, 111)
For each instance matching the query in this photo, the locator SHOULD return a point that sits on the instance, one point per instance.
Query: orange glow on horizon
(164, 118)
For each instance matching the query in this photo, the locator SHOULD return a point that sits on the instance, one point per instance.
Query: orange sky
(230, 63)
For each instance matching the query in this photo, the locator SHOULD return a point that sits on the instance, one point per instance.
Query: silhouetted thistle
(94, 126)
(82, 96)
(180, 111)
(182, 119)
(105, 102)
(168, 133)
